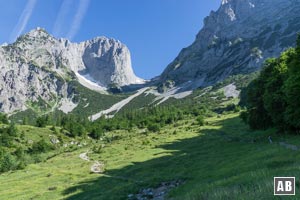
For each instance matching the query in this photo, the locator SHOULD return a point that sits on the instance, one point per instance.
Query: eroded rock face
(38, 68)
(235, 39)
(108, 62)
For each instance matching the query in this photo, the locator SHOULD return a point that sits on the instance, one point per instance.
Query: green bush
(8, 162)
(42, 121)
(200, 120)
(3, 118)
(153, 127)
(40, 147)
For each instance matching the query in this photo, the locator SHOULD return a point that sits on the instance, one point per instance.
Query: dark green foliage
(3, 118)
(90, 101)
(200, 121)
(273, 98)
(76, 126)
(7, 135)
(7, 162)
(292, 90)
(27, 117)
(153, 127)
(257, 116)
(12, 130)
(144, 118)
(298, 44)
(40, 147)
(96, 133)
(42, 121)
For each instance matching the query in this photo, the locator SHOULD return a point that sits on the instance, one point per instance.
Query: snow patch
(90, 83)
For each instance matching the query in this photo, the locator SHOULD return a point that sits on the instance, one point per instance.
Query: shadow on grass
(203, 161)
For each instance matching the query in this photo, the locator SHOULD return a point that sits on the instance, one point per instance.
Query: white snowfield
(118, 106)
(89, 83)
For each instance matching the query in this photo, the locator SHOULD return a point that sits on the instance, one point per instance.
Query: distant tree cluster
(273, 99)
(152, 118)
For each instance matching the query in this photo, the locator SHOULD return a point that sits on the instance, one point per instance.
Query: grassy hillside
(91, 102)
(221, 160)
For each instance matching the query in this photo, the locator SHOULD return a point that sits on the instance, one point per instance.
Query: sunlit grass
(221, 160)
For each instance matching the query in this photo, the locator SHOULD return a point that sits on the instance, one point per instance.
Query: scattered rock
(231, 91)
(84, 156)
(158, 193)
(98, 167)
(54, 140)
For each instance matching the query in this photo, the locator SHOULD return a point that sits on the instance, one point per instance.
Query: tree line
(152, 118)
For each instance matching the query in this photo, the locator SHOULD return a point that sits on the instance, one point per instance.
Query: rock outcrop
(236, 39)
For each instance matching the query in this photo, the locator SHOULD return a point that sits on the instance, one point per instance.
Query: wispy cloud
(63, 11)
(75, 26)
(23, 20)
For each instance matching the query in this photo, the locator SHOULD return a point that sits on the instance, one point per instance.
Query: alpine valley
(77, 123)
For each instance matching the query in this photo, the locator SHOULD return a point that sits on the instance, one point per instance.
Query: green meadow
(221, 160)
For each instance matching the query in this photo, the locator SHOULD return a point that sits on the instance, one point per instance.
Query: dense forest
(272, 100)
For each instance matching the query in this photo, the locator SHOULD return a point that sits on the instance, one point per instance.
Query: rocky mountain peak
(38, 67)
(236, 39)
(38, 32)
(38, 35)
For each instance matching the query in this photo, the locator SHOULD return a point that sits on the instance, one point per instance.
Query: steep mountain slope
(38, 69)
(236, 39)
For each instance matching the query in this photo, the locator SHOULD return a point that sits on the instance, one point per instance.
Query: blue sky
(154, 30)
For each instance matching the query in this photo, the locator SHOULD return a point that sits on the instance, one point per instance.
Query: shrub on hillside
(200, 120)
(3, 118)
(40, 147)
(153, 127)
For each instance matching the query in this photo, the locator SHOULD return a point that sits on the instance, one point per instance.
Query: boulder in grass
(98, 167)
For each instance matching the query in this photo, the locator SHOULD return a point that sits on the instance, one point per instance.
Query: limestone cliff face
(235, 39)
(108, 61)
(39, 67)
